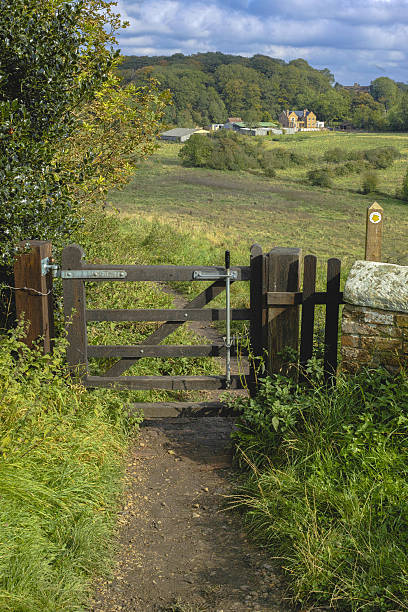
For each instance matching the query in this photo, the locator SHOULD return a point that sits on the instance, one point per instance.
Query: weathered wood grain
(176, 383)
(180, 315)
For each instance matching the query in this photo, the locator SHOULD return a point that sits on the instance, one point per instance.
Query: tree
(42, 81)
(64, 120)
(384, 90)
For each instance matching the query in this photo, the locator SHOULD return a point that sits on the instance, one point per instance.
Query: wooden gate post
(33, 293)
(74, 311)
(283, 274)
(259, 314)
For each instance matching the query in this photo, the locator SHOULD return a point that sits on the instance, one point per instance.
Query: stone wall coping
(377, 285)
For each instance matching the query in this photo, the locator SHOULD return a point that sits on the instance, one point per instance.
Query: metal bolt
(141, 350)
(123, 273)
(69, 274)
(185, 314)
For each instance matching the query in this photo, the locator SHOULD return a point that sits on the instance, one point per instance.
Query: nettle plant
(44, 56)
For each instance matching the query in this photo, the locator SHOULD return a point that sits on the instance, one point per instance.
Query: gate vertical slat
(332, 318)
(259, 313)
(283, 330)
(74, 311)
(308, 308)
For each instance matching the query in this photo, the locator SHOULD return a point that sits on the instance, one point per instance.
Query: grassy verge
(60, 480)
(326, 487)
(62, 447)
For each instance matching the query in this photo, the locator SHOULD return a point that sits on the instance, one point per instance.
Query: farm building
(178, 134)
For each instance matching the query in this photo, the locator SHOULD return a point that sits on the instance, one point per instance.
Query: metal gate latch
(199, 275)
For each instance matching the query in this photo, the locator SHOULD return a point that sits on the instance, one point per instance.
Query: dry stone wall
(375, 316)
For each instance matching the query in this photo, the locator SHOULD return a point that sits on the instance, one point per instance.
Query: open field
(224, 209)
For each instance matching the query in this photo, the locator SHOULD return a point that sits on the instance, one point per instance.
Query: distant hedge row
(226, 150)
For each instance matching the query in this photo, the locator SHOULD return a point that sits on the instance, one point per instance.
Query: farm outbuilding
(178, 134)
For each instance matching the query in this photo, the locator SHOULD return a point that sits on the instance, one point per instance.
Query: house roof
(234, 120)
(179, 132)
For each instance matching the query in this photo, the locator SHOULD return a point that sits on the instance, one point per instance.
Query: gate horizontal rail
(186, 314)
(140, 351)
(158, 273)
(171, 383)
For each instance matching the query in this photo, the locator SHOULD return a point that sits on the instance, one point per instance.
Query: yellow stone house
(298, 119)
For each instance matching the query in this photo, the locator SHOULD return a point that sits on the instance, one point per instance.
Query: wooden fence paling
(374, 227)
(334, 299)
(74, 312)
(283, 274)
(33, 293)
(308, 308)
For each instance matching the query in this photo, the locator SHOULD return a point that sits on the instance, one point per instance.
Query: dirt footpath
(178, 550)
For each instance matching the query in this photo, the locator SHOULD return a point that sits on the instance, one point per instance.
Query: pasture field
(223, 209)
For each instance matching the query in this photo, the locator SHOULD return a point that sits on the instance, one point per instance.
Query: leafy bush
(328, 489)
(404, 188)
(320, 177)
(197, 151)
(381, 157)
(370, 182)
(335, 155)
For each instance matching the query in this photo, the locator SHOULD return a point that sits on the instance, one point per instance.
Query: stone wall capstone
(375, 316)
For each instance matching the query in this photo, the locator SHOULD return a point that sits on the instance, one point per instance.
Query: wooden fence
(281, 315)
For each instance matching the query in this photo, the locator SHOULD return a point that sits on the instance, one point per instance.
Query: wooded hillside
(209, 87)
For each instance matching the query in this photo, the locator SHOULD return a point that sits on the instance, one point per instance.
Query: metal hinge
(79, 274)
(199, 275)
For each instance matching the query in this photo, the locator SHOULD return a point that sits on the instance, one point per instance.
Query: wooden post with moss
(374, 228)
(34, 292)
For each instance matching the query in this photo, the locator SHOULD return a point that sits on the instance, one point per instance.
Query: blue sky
(358, 40)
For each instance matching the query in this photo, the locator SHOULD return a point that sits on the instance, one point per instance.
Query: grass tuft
(326, 487)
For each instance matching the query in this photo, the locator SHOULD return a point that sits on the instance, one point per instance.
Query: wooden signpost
(375, 220)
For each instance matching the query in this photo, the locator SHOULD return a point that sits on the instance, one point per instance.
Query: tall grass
(326, 487)
(60, 480)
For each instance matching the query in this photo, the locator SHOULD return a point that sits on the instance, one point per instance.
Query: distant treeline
(209, 87)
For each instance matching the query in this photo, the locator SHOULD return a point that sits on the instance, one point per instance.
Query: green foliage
(404, 188)
(335, 155)
(212, 86)
(381, 157)
(320, 177)
(197, 151)
(370, 182)
(328, 488)
(223, 151)
(61, 450)
(41, 82)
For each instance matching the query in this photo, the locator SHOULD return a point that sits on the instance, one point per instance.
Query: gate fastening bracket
(47, 266)
(207, 276)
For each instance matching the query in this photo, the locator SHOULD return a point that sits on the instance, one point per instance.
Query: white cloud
(355, 39)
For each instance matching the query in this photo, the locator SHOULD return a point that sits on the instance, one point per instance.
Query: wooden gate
(280, 314)
(80, 351)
